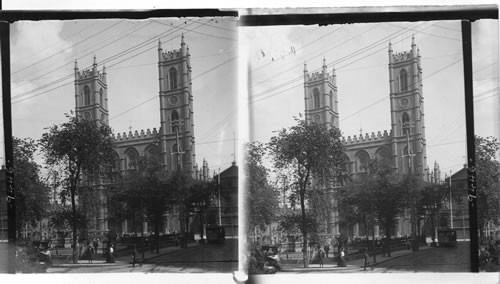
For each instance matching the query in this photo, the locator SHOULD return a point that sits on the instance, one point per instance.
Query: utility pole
(451, 205)
(218, 193)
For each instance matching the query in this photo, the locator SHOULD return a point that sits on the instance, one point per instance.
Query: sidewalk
(126, 260)
(355, 265)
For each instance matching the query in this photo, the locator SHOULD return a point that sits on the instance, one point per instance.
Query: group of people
(322, 252)
(88, 250)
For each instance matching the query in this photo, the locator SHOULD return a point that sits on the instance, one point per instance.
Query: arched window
(383, 156)
(316, 98)
(406, 159)
(173, 78)
(117, 162)
(406, 123)
(175, 120)
(132, 159)
(175, 156)
(403, 79)
(86, 96)
(362, 161)
(101, 97)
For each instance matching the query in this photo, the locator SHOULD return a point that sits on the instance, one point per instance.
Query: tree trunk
(304, 231)
(433, 231)
(201, 225)
(73, 210)
(182, 226)
(157, 234)
(388, 240)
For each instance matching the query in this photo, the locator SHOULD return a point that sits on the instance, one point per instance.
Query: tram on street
(447, 237)
(215, 234)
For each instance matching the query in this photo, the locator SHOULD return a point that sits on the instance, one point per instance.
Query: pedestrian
(367, 260)
(321, 255)
(96, 244)
(342, 257)
(134, 257)
(111, 251)
(382, 243)
(327, 248)
(90, 250)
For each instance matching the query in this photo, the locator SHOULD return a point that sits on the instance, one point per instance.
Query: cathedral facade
(403, 144)
(173, 141)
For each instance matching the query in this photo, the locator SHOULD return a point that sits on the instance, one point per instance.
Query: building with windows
(172, 141)
(403, 144)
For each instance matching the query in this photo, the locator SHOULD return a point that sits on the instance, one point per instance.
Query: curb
(348, 267)
(169, 252)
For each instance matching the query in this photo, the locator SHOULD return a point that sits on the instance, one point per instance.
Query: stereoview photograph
(124, 145)
(357, 160)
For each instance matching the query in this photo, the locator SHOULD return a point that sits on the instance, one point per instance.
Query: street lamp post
(451, 205)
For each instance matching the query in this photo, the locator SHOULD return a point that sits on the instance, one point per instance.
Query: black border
(430, 13)
(9, 155)
(22, 15)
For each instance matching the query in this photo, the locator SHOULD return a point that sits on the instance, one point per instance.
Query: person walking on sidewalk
(321, 255)
(90, 250)
(134, 257)
(342, 258)
(367, 260)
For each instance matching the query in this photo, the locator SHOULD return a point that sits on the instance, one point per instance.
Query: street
(211, 258)
(427, 259)
(438, 259)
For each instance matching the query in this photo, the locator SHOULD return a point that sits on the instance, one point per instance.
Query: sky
(359, 54)
(43, 56)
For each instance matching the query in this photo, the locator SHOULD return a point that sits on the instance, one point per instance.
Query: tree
(201, 194)
(261, 197)
(389, 197)
(487, 177)
(32, 196)
(357, 203)
(376, 197)
(79, 150)
(312, 154)
(179, 184)
(432, 199)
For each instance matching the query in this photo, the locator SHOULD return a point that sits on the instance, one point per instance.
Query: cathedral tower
(176, 109)
(91, 94)
(320, 95)
(407, 111)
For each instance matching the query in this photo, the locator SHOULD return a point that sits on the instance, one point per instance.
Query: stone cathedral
(403, 144)
(173, 141)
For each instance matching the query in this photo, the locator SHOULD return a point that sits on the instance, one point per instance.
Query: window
(86, 96)
(316, 98)
(132, 159)
(175, 120)
(101, 94)
(117, 162)
(406, 123)
(173, 78)
(363, 161)
(403, 80)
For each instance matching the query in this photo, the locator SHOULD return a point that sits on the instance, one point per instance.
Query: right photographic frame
(373, 142)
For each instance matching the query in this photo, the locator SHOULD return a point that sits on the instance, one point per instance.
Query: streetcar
(447, 237)
(215, 234)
